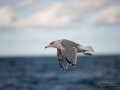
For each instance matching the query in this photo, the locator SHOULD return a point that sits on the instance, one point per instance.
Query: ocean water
(44, 73)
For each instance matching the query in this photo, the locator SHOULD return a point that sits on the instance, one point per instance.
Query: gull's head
(52, 44)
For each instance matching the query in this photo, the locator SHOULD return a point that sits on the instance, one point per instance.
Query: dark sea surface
(44, 73)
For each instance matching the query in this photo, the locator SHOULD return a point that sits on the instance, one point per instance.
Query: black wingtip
(64, 70)
(73, 65)
(68, 61)
(60, 65)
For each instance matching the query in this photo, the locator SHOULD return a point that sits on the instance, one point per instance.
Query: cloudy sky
(27, 26)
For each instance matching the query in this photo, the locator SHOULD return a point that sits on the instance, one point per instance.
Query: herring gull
(66, 51)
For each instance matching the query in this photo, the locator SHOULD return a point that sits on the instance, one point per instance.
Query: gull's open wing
(69, 51)
(62, 60)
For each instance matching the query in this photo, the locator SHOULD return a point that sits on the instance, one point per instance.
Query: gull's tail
(86, 48)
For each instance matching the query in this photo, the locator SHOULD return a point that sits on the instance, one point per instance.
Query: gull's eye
(52, 43)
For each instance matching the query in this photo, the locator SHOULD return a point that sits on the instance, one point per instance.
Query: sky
(27, 26)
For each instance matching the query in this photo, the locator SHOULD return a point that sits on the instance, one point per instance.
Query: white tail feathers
(86, 48)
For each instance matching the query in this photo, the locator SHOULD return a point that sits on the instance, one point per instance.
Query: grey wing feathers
(69, 52)
(62, 60)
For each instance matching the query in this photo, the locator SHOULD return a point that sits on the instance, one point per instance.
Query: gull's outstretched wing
(62, 60)
(68, 50)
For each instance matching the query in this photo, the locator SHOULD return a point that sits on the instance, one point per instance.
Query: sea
(44, 73)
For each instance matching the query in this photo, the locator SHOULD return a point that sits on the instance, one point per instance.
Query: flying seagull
(66, 51)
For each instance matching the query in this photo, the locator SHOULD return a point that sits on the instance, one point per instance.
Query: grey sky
(27, 26)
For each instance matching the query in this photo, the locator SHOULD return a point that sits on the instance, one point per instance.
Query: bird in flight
(66, 51)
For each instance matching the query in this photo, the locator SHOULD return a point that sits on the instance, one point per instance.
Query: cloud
(109, 15)
(6, 17)
(24, 4)
(8, 14)
(86, 4)
(50, 17)
(4, 1)
(60, 14)
(47, 17)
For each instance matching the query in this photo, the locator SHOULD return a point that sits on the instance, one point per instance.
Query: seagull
(66, 51)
